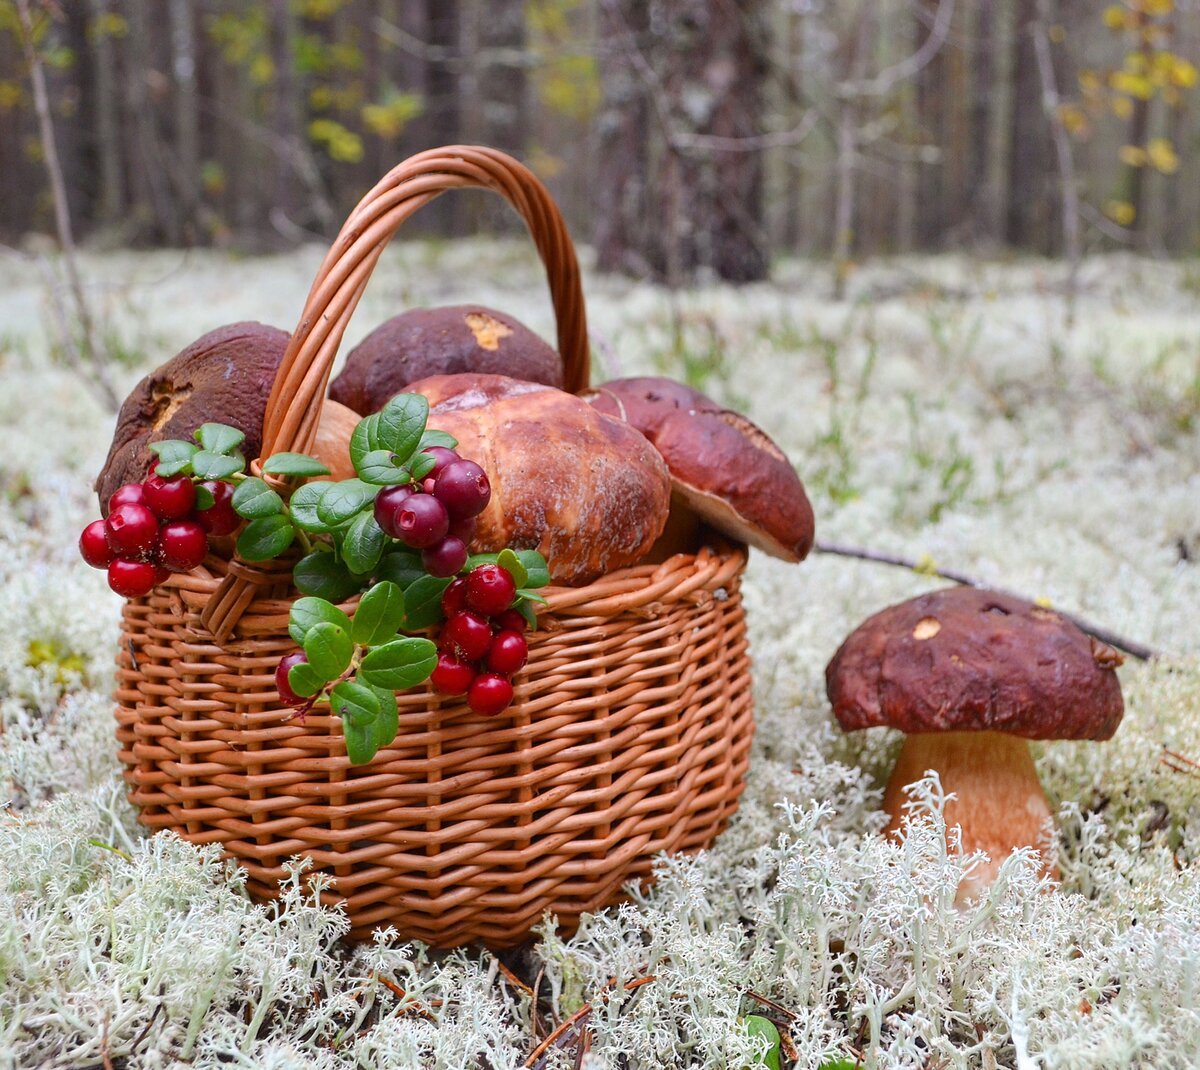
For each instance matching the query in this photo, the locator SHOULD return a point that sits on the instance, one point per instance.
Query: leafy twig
(926, 567)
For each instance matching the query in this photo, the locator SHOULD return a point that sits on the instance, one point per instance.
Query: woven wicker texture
(629, 733)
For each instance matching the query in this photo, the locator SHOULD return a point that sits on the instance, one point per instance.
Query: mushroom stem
(999, 803)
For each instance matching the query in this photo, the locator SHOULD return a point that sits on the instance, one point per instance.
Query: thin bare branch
(927, 568)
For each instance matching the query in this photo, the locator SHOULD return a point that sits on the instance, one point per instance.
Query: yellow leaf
(1132, 156)
(1162, 155)
(1122, 107)
(1115, 17)
(1135, 85)
(1183, 73)
(1057, 34)
(1120, 212)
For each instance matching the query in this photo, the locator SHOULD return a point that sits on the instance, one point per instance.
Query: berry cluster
(438, 515)
(154, 528)
(480, 645)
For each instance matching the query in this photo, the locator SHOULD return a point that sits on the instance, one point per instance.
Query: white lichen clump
(948, 409)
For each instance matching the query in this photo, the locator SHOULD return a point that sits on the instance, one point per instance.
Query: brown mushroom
(723, 466)
(441, 341)
(224, 376)
(587, 491)
(970, 676)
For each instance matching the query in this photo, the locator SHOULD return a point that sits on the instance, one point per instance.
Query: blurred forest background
(684, 138)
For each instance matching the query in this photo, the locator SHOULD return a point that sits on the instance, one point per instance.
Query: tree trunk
(187, 115)
(1026, 222)
(983, 94)
(622, 159)
(442, 103)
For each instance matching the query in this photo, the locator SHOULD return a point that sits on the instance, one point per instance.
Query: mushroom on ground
(970, 676)
(724, 468)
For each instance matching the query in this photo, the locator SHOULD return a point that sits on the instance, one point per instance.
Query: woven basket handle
(294, 406)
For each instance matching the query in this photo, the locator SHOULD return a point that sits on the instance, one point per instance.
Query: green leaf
(363, 543)
(265, 538)
(303, 507)
(354, 702)
(423, 603)
(294, 464)
(204, 497)
(400, 664)
(174, 456)
(254, 499)
(422, 464)
(385, 726)
(328, 649)
(509, 561)
(379, 468)
(531, 596)
(209, 465)
(342, 500)
(476, 560)
(324, 576)
(525, 608)
(360, 747)
(307, 613)
(402, 423)
(379, 615)
(219, 438)
(305, 680)
(401, 567)
(758, 1026)
(433, 437)
(363, 439)
(538, 573)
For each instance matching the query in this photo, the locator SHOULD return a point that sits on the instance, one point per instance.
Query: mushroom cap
(723, 465)
(962, 659)
(448, 340)
(225, 376)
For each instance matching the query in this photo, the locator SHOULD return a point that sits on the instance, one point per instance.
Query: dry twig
(926, 567)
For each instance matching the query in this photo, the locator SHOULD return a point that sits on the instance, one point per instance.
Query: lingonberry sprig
(397, 533)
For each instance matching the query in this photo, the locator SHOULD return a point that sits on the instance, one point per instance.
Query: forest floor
(947, 410)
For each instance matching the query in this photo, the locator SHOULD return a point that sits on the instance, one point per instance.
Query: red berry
(463, 529)
(451, 676)
(454, 597)
(170, 499)
(508, 653)
(490, 589)
(511, 621)
(422, 521)
(184, 544)
(161, 574)
(466, 634)
(463, 488)
(442, 455)
(129, 494)
(131, 530)
(219, 518)
(428, 484)
(446, 558)
(132, 579)
(94, 546)
(489, 694)
(286, 694)
(386, 503)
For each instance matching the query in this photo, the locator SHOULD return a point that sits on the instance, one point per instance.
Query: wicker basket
(629, 734)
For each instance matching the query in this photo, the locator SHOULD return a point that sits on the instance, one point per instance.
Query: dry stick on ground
(926, 568)
(92, 353)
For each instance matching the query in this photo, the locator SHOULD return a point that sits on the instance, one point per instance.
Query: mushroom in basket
(970, 676)
(725, 470)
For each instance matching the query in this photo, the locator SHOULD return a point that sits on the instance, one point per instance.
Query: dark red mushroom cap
(441, 341)
(722, 465)
(961, 659)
